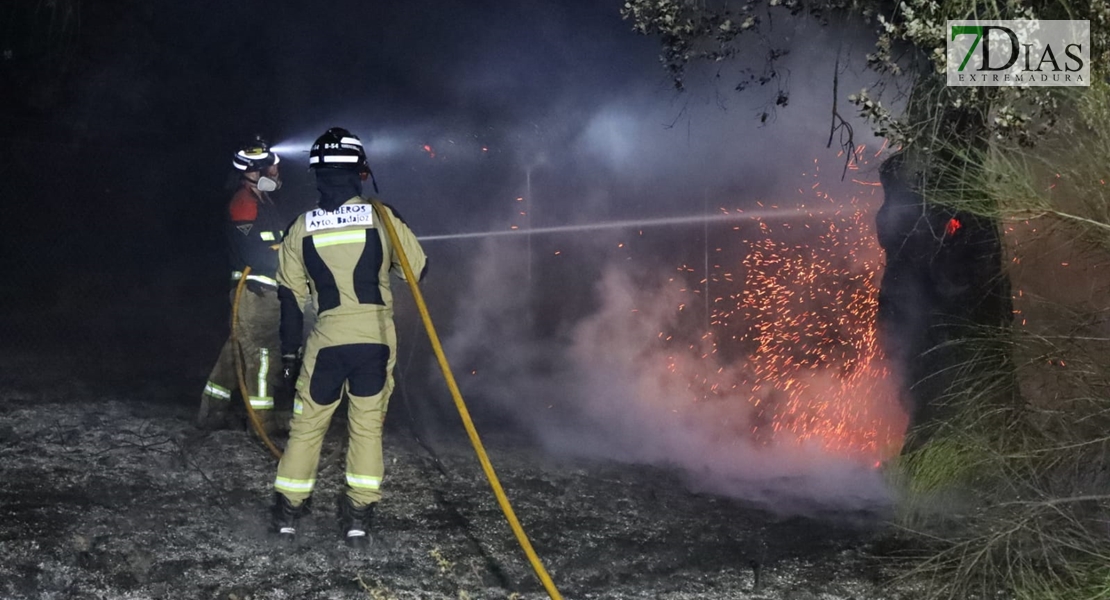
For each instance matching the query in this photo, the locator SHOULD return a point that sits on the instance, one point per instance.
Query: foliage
(1028, 454)
(910, 42)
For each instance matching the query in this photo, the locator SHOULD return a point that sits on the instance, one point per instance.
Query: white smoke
(604, 390)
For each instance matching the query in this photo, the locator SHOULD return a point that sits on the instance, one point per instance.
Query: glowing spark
(803, 318)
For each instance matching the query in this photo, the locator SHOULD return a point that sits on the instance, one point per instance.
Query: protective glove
(257, 287)
(290, 369)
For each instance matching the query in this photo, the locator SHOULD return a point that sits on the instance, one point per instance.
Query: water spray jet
(788, 213)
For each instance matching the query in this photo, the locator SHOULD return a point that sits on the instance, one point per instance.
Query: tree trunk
(943, 295)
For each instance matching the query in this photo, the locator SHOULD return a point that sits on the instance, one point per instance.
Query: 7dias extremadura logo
(1027, 52)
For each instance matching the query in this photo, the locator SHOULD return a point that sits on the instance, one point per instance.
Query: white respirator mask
(266, 184)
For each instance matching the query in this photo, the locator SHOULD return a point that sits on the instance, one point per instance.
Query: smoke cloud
(611, 387)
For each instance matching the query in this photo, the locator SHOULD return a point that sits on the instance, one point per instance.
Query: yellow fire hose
(238, 350)
(502, 500)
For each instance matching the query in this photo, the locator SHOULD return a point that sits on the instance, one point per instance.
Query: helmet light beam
(290, 148)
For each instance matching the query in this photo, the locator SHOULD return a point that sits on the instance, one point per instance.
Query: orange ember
(797, 331)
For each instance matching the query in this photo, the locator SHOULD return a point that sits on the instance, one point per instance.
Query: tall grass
(1011, 496)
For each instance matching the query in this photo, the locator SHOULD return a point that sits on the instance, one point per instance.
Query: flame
(952, 227)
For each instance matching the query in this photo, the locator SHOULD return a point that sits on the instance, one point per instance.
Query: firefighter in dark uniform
(254, 230)
(341, 255)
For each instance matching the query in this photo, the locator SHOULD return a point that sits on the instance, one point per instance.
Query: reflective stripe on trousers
(217, 391)
(296, 486)
(263, 401)
(365, 482)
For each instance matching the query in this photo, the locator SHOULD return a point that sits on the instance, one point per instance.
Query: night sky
(137, 115)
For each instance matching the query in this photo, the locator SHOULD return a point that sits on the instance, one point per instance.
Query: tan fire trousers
(362, 371)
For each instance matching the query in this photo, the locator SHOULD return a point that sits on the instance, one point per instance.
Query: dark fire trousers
(258, 336)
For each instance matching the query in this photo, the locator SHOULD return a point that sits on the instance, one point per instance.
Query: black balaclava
(337, 186)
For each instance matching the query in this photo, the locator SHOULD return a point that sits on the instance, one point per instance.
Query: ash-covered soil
(117, 495)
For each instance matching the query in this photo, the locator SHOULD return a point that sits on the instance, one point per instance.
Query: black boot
(355, 522)
(285, 516)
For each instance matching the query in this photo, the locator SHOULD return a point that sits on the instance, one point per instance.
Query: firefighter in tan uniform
(254, 231)
(342, 256)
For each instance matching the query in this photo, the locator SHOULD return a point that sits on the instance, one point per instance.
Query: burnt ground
(110, 492)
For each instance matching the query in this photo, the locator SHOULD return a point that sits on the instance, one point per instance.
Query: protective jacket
(342, 258)
(254, 235)
(254, 231)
